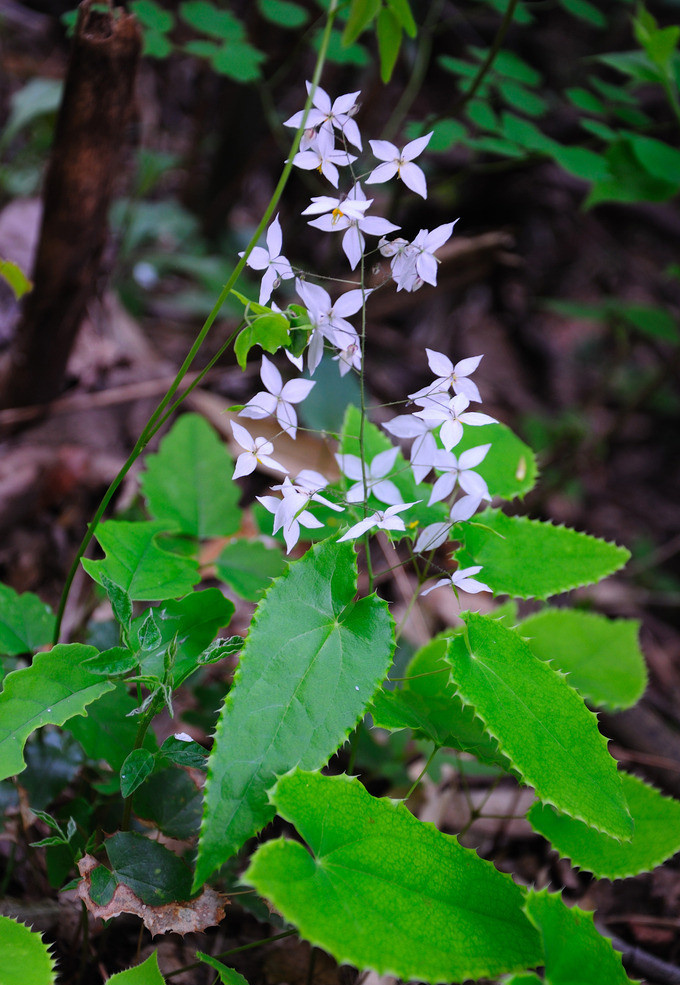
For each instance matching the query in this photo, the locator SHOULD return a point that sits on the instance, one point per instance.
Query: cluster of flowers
(442, 405)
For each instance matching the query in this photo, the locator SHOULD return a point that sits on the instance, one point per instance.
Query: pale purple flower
(459, 470)
(337, 114)
(449, 376)
(257, 452)
(382, 519)
(322, 156)
(276, 267)
(400, 163)
(306, 487)
(348, 217)
(349, 358)
(376, 483)
(452, 415)
(424, 446)
(414, 263)
(461, 579)
(279, 399)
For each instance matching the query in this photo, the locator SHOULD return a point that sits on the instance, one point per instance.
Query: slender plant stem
(424, 770)
(159, 413)
(139, 739)
(228, 954)
(421, 61)
(490, 57)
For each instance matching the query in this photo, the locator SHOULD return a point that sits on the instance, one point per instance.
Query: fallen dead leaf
(185, 917)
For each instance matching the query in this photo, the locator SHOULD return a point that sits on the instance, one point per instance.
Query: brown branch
(84, 164)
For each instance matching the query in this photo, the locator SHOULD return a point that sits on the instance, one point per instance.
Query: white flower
(461, 579)
(424, 445)
(459, 470)
(382, 519)
(322, 156)
(328, 318)
(257, 452)
(275, 266)
(451, 415)
(376, 470)
(290, 513)
(306, 487)
(338, 114)
(279, 399)
(450, 376)
(435, 534)
(348, 216)
(414, 263)
(400, 163)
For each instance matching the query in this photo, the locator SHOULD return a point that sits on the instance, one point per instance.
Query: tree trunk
(96, 109)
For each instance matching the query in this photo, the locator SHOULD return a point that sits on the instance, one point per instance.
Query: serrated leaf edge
(600, 874)
(589, 916)
(558, 526)
(39, 942)
(237, 674)
(520, 773)
(385, 969)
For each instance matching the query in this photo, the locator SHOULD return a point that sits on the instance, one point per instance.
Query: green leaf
(532, 559)
(628, 180)
(26, 622)
(228, 976)
(402, 11)
(446, 133)
(25, 957)
(135, 561)
(457, 66)
(382, 890)
(585, 100)
(112, 662)
(636, 64)
(526, 134)
(172, 802)
(656, 323)
(540, 724)
(188, 482)
(361, 14)
(55, 687)
(146, 973)
(509, 468)
(152, 15)
(427, 702)
(121, 605)
(239, 60)
(190, 624)
(283, 12)
(269, 331)
(656, 835)
(482, 115)
(212, 20)
(601, 656)
(248, 567)
(134, 771)
(312, 661)
(585, 11)
(152, 872)
(37, 98)
(106, 732)
(571, 943)
(388, 32)
(15, 277)
(656, 157)
(581, 162)
(183, 753)
(521, 98)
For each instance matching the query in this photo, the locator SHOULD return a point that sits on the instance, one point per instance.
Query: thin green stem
(490, 57)
(424, 770)
(159, 413)
(228, 954)
(139, 739)
(420, 64)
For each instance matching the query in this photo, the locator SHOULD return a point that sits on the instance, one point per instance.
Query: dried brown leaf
(187, 917)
